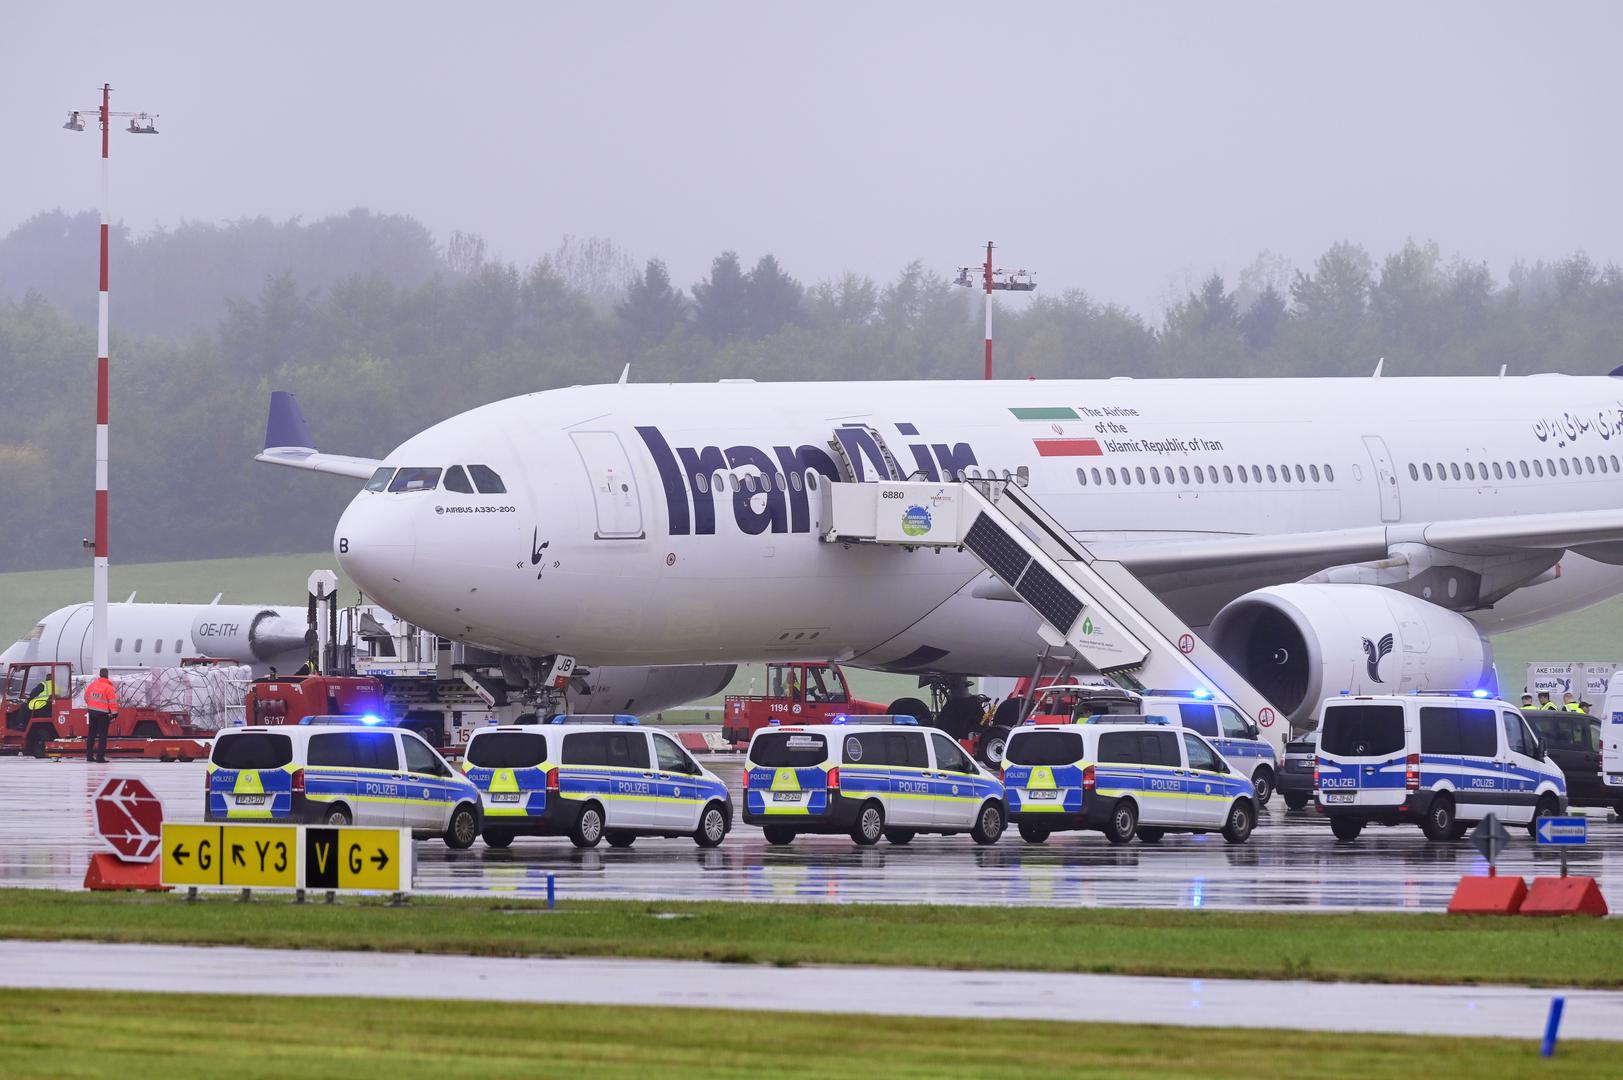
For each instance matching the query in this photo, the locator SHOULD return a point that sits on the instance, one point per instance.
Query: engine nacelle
(251, 635)
(1298, 644)
(647, 690)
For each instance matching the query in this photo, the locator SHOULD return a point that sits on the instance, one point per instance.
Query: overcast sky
(1125, 149)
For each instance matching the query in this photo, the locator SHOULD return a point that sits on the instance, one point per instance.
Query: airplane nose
(376, 545)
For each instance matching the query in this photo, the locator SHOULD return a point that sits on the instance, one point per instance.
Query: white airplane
(148, 635)
(1321, 534)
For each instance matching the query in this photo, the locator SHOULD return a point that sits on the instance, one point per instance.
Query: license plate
(504, 796)
(1040, 796)
(786, 796)
(250, 800)
(1339, 796)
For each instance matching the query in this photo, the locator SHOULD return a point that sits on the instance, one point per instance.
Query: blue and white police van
(1124, 775)
(1437, 760)
(1237, 738)
(593, 778)
(869, 777)
(339, 770)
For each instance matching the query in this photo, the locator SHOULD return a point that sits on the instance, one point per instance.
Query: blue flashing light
(841, 719)
(1163, 721)
(913, 720)
(1479, 693)
(625, 720)
(370, 719)
(1202, 693)
(774, 722)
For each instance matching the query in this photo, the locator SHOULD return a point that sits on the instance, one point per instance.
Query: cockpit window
(415, 480)
(457, 480)
(487, 480)
(35, 634)
(380, 480)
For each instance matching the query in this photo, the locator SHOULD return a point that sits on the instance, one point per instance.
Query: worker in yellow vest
(101, 698)
(40, 703)
(1569, 702)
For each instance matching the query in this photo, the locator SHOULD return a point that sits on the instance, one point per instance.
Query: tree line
(382, 331)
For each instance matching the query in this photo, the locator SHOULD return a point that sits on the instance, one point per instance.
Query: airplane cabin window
(380, 480)
(1082, 477)
(1022, 475)
(781, 480)
(1301, 477)
(1614, 464)
(1126, 476)
(157, 645)
(1228, 475)
(1524, 470)
(1094, 473)
(1183, 475)
(1256, 474)
(1329, 474)
(702, 482)
(1243, 477)
(1589, 464)
(1111, 473)
(1564, 470)
(1313, 471)
(456, 480)
(1200, 475)
(486, 480)
(1414, 473)
(1538, 466)
(794, 480)
(1155, 475)
(1470, 473)
(415, 480)
(177, 646)
(138, 644)
(1425, 469)
(749, 483)
(1138, 474)
(1549, 464)
(118, 646)
(1273, 477)
(1601, 461)
(1498, 473)
(811, 481)
(1454, 470)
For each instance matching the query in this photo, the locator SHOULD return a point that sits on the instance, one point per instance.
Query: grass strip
(119, 1035)
(1394, 948)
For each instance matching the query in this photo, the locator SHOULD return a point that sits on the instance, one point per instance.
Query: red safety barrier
(1488, 896)
(1564, 896)
(108, 872)
(694, 742)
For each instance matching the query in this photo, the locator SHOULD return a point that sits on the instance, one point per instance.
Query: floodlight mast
(1003, 281)
(140, 124)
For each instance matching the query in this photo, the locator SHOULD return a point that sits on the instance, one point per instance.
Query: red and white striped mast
(140, 124)
(1018, 281)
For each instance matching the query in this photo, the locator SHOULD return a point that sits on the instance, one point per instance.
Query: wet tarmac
(47, 832)
(1502, 1011)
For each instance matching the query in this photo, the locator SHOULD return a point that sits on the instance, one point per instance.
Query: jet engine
(1298, 644)
(249, 634)
(644, 691)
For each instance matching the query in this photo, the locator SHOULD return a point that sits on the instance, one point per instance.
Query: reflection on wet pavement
(47, 832)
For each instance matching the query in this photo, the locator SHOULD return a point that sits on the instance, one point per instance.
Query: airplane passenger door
(1386, 477)
(614, 488)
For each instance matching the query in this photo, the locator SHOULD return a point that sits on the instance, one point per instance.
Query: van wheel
(1148, 834)
(991, 746)
(1346, 828)
(988, 824)
(899, 837)
(1439, 819)
(1241, 820)
(1123, 822)
(1032, 834)
(620, 839)
(463, 830)
(870, 824)
(498, 838)
(588, 827)
(336, 816)
(712, 827)
(1263, 782)
(777, 835)
(1295, 800)
(1547, 807)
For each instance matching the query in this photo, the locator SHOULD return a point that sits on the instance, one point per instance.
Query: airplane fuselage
(656, 524)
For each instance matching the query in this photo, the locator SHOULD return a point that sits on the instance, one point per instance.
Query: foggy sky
(1123, 149)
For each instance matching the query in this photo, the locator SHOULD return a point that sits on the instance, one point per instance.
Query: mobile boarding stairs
(1095, 607)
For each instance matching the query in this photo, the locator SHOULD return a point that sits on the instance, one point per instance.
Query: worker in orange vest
(101, 698)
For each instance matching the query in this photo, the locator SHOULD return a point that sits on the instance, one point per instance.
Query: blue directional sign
(1563, 830)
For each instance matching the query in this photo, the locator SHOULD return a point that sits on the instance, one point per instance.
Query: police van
(591, 778)
(1236, 737)
(339, 770)
(1439, 761)
(1125, 775)
(870, 777)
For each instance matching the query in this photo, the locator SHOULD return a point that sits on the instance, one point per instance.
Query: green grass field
(85, 1034)
(1593, 634)
(1373, 948)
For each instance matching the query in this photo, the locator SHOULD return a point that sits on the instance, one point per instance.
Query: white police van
(1439, 761)
(1124, 775)
(592, 778)
(339, 770)
(1238, 739)
(868, 776)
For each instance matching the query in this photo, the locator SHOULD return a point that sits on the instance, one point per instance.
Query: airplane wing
(1595, 533)
(288, 442)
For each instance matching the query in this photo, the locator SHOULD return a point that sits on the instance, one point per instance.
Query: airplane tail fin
(286, 426)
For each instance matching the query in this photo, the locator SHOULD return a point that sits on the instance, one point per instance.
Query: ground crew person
(1569, 701)
(101, 698)
(40, 703)
(1544, 701)
(1527, 701)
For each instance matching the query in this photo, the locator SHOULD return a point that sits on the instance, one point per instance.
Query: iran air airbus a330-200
(1321, 534)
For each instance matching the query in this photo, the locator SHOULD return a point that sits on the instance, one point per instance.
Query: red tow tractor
(797, 693)
(59, 729)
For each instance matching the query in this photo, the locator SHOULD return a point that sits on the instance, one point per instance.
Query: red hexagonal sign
(130, 818)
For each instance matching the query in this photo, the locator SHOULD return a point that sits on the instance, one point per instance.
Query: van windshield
(507, 750)
(788, 750)
(252, 750)
(1044, 748)
(1362, 730)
